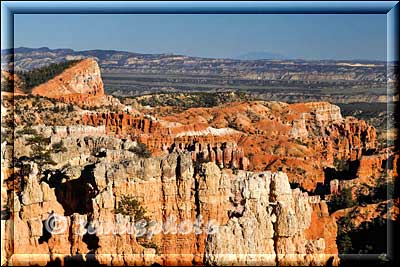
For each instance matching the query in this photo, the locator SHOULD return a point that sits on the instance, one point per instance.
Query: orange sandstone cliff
(80, 84)
(295, 138)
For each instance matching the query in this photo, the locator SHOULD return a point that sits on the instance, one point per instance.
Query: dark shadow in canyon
(75, 260)
(372, 243)
(347, 170)
(92, 241)
(45, 234)
(74, 195)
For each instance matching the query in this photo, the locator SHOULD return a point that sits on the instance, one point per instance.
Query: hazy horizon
(310, 37)
(178, 54)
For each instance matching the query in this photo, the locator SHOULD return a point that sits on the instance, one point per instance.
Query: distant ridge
(31, 58)
(104, 53)
(260, 55)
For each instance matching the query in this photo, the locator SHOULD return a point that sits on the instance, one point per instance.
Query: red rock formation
(372, 170)
(271, 135)
(80, 84)
(323, 226)
(300, 139)
(297, 138)
(124, 123)
(388, 209)
(370, 166)
(222, 150)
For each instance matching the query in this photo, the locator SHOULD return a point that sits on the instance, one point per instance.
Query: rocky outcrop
(270, 229)
(372, 171)
(387, 210)
(255, 216)
(261, 135)
(276, 135)
(224, 155)
(72, 131)
(122, 123)
(322, 225)
(216, 189)
(80, 84)
(379, 164)
(205, 143)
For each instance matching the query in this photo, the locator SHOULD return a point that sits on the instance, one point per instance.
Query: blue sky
(295, 36)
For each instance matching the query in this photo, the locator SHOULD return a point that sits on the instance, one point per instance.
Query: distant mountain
(26, 58)
(260, 55)
(272, 66)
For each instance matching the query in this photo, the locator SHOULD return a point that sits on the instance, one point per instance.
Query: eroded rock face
(121, 123)
(79, 84)
(205, 143)
(255, 216)
(272, 230)
(324, 226)
(254, 136)
(372, 171)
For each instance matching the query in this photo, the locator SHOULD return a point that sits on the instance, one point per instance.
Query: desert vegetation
(130, 206)
(41, 75)
(191, 100)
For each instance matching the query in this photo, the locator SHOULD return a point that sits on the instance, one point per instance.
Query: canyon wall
(255, 216)
(256, 136)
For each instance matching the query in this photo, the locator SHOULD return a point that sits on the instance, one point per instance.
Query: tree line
(35, 77)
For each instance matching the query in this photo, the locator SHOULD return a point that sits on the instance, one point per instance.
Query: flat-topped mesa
(79, 84)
